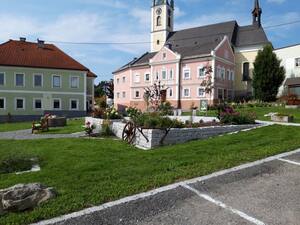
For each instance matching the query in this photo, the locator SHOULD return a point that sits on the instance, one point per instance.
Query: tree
(109, 89)
(268, 75)
(99, 89)
(105, 88)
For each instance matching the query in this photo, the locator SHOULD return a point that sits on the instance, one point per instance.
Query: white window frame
(118, 95)
(202, 68)
(4, 103)
(166, 73)
(137, 75)
(77, 104)
(124, 94)
(118, 80)
(124, 79)
(135, 91)
(145, 75)
(16, 80)
(164, 55)
(204, 94)
(183, 92)
(70, 80)
(227, 71)
(4, 79)
(54, 99)
(232, 75)
(34, 100)
(24, 103)
(219, 72)
(52, 83)
(186, 70)
(223, 73)
(157, 75)
(297, 62)
(42, 81)
(171, 94)
(171, 74)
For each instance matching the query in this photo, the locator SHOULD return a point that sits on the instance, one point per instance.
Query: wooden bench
(40, 126)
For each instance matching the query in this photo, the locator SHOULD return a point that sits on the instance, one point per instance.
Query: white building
(290, 57)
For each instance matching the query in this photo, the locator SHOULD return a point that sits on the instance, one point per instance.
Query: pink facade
(181, 76)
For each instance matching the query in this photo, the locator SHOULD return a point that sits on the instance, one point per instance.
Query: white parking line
(289, 161)
(160, 190)
(224, 206)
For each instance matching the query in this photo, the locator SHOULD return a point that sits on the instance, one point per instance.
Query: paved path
(26, 135)
(278, 123)
(259, 193)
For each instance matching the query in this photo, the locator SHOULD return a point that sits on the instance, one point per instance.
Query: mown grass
(91, 172)
(5, 127)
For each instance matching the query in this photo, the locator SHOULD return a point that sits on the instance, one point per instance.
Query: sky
(57, 21)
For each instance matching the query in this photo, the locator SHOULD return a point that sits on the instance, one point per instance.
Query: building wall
(46, 93)
(288, 56)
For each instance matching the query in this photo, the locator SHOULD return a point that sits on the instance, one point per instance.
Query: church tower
(257, 11)
(162, 22)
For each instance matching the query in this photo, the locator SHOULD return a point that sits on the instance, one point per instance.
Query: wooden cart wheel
(129, 132)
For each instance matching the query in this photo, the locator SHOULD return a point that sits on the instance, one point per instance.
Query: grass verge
(91, 172)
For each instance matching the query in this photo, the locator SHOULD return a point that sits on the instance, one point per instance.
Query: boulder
(23, 197)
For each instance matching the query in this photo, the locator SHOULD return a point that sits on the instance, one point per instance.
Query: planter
(57, 122)
(282, 119)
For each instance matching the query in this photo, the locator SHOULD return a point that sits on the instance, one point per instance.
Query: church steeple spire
(257, 11)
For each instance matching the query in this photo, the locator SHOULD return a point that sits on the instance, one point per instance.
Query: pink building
(179, 61)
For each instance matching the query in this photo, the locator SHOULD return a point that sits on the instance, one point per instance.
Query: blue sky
(129, 21)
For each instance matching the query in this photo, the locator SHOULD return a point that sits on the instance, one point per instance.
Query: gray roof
(202, 40)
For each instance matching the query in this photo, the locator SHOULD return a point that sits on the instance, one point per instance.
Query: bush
(227, 115)
(133, 112)
(112, 114)
(106, 130)
(165, 109)
(155, 121)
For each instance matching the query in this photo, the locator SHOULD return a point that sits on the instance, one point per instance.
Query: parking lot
(264, 192)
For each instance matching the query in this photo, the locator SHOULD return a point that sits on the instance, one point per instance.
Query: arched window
(158, 21)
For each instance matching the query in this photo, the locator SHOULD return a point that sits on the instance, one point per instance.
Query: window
(232, 75)
(2, 103)
(118, 80)
(164, 55)
(74, 82)
(147, 77)
(171, 75)
(201, 72)
(220, 94)
(2, 79)
(228, 75)
(137, 94)
(230, 95)
(186, 74)
(124, 94)
(157, 42)
(157, 75)
(223, 73)
(37, 103)
(137, 78)
(56, 104)
(20, 82)
(186, 92)
(164, 75)
(297, 62)
(118, 95)
(37, 80)
(74, 104)
(169, 17)
(124, 79)
(219, 72)
(246, 74)
(170, 92)
(201, 92)
(56, 82)
(158, 21)
(20, 103)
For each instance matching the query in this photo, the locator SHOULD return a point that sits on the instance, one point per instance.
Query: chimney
(41, 43)
(23, 39)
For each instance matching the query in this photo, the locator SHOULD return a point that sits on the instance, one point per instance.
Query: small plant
(133, 112)
(13, 164)
(112, 114)
(227, 115)
(165, 109)
(106, 130)
(89, 128)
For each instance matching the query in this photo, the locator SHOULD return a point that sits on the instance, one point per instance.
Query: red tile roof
(28, 54)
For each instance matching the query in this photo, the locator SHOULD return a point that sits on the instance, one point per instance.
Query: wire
(149, 42)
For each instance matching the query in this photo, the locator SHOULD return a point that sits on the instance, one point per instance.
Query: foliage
(112, 114)
(89, 128)
(99, 90)
(268, 75)
(105, 88)
(133, 112)
(227, 115)
(155, 95)
(155, 121)
(106, 129)
(12, 164)
(207, 83)
(101, 102)
(165, 109)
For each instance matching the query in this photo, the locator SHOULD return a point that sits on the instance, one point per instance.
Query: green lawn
(260, 112)
(73, 126)
(91, 172)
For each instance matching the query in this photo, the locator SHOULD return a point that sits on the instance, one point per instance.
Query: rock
(23, 197)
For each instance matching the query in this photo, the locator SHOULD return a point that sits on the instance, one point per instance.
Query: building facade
(290, 60)
(38, 78)
(179, 60)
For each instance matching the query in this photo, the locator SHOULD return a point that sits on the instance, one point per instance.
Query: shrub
(13, 164)
(227, 115)
(112, 114)
(106, 130)
(165, 109)
(155, 121)
(133, 112)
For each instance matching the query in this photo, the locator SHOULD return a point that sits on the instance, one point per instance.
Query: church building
(179, 60)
